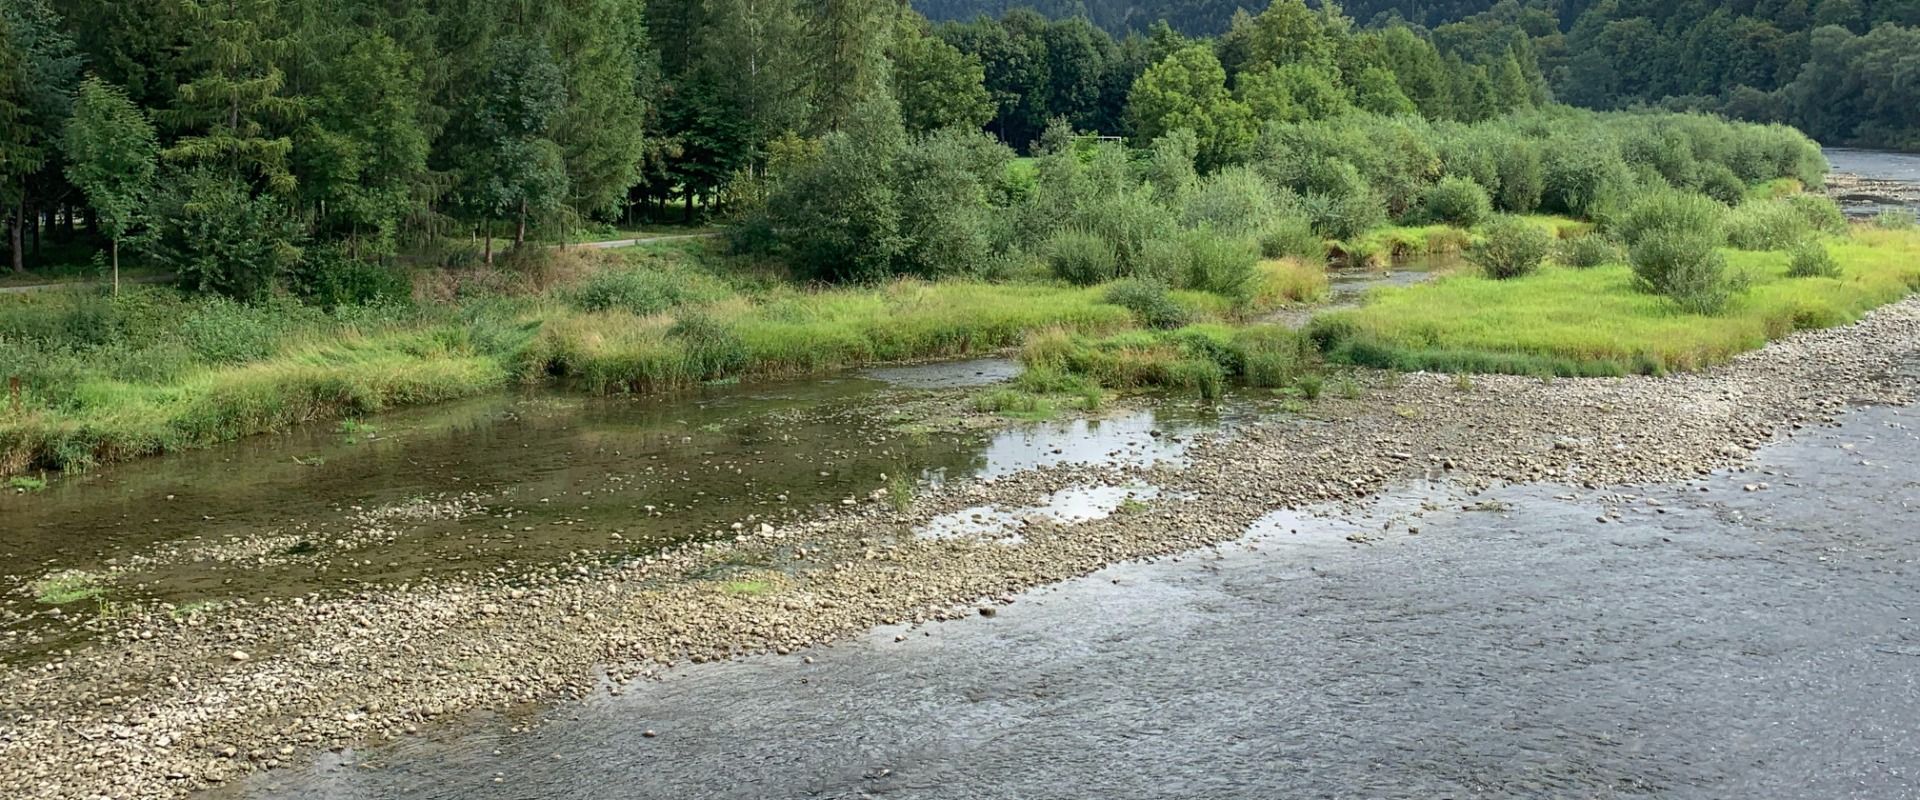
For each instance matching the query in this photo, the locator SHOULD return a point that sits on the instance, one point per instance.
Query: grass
(26, 483)
(1574, 322)
(61, 588)
(746, 588)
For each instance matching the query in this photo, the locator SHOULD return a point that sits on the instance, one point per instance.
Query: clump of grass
(900, 493)
(1132, 506)
(1463, 382)
(1014, 403)
(644, 291)
(70, 586)
(746, 588)
(1896, 219)
(27, 483)
(1280, 282)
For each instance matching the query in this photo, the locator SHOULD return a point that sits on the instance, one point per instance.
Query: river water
(514, 483)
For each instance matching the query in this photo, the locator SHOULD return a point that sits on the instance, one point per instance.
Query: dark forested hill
(1846, 71)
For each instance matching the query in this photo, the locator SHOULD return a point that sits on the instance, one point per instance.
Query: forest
(1841, 70)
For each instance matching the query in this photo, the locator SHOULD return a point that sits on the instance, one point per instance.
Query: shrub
(225, 332)
(218, 237)
(1766, 225)
(1234, 201)
(1522, 179)
(1149, 302)
(645, 292)
(1346, 215)
(1820, 212)
(1081, 257)
(1718, 182)
(1457, 201)
(330, 277)
(1513, 247)
(1164, 261)
(1273, 357)
(1220, 264)
(1590, 250)
(1669, 211)
(1810, 259)
(1290, 235)
(1684, 266)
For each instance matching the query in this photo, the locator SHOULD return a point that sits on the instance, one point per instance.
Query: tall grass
(1596, 322)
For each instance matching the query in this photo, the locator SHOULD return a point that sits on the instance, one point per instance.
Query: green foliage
(1591, 250)
(1895, 219)
(1770, 224)
(1810, 259)
(331, 277)
(1512, 248)
(1457, 201)
(1223, 265)
(644, 292)
(937, 85)
(217, 236)
(1290, 235)
(1684, 265)
(111, 153)
(1233, 201)
(1149, 302)
(1081, 257)
(1188, 89)
(1670, 211)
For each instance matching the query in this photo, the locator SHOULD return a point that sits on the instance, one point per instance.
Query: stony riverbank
(162, 706)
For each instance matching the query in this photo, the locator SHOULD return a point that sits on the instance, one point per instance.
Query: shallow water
(507, 484)
(1704, 641)
(1885, 180)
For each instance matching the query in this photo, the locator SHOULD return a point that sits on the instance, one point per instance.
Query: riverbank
(108, 379)
(228, 691)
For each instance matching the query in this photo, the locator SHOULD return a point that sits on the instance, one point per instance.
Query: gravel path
(162, 706)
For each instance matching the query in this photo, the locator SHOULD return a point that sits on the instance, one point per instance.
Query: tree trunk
(15, 244)
(520, 232)
(116, 267)
(486, 235)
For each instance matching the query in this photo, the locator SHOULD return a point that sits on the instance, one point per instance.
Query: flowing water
(1867, 182)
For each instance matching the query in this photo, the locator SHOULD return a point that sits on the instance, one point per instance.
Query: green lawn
(1595, 322)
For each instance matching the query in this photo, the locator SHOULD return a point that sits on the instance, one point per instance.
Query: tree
(111, 153)
(849, 42)
(937, 85)
(508, 163)
(233, 109)
(1189, 90)
(38, 71)
(1294, 93)
(362, 150)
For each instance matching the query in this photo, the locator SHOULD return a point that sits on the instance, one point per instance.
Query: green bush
(217, 236)
(645, 291)
(1232, 201)
(1149, 302)
(1346, 215)
(1082, 257)
(1810, 259)
(1590, 250)
(1522, 178)
(1766, 225)
(1670, 211)
(1685, 266)
(1820, 212)
(1290, 235)
(225, 332)
(1718, 182)
(330, 277)
(1223, 265)
(1457, 201)
(1513, 247)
